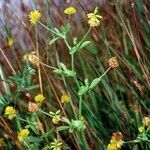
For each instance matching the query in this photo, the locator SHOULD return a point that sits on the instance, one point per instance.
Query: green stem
(72, 61)
(80, 106)
(45, 113)
(25, 120)
(26, 144)
(69, 47)
(77, 82)
(48, 66)
(105, 73)
(86, 34)
(47, 28)
(71, 102)
(85, 144)
(134, 141)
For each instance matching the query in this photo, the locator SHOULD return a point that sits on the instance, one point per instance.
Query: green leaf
(84, 44)
(63, 66)
(94, 83)
(58, 71)
(53, 40)
(92, 48)
(56, 30)
(74, 49)
(62, 128)
(83, 90)
(69, 73)
(86, 82)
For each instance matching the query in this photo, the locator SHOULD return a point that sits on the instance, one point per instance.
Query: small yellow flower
(113, 63)
(10, 112)
(56, 118)
(93, 18)
(9, 41)
(2, 143)
(24, 133)
(39, 98)
(141, 129)
(116, 142)
(70, 10)
(64, 99)
(34, 16)
(56, 145)
(25, 57)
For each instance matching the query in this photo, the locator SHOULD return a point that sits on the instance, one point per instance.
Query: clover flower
(9, 42)
(34, 16)
(10, 112)
(24, 133)
(113, 63)
(39, 98)
(93, 18)
(33, 107)
(2, 143)
(56, 144)
(146, 121)
(70, 10)
(116, 142)
(56, 118)
(141, 129)
(64, 99)
(33, 59)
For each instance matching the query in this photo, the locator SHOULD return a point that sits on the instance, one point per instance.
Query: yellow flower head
(39, 98)
(34, 16)
(116, 141)
(70, 10)
(10, 112)
(9, 41)
(93, 18)
(114, 144)
(24, 133)
(64, 99)
(113, 63)
(141, 129)
(2, 143)
(56, 118)
(56, 144)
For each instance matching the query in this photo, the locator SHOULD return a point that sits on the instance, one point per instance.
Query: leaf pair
(87, 87)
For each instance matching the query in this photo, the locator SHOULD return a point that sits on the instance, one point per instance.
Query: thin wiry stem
(39, 69)
(7, 60)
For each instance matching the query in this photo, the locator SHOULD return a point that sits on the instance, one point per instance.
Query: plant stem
(48, 66)
(72, 61)
(105, 72)
(86, 34)
(7, 60)
(71, 102)
(80, 106)
(38, 55)
(69, 47)
(25, 120)
(47, 28)
(45, 113)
